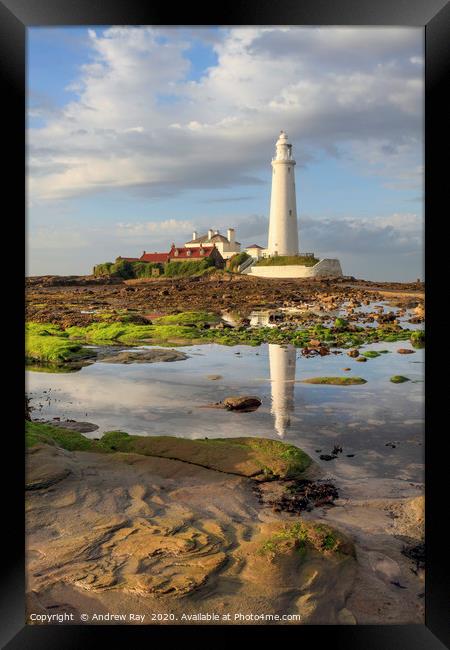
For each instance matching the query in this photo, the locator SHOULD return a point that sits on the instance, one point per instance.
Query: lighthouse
(283, 233)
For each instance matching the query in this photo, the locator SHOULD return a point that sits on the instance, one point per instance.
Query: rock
(45, 466)
(245, 403)
(361, 359)
(405, 351)
(416, 553)
(27, 408)
(213, 377)
(327, 457)
(398, 379)
(81, 427)
(154, 355)
(353, 353)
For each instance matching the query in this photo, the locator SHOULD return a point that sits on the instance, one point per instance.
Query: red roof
(154, 257)
(183, 253)
(130, 259)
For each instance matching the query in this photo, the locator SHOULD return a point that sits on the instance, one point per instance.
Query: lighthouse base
(324, 268)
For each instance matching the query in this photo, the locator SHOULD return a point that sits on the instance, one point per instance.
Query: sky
(136, 136)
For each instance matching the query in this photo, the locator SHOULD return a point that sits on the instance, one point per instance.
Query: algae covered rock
(258, 458)
(335, 381)
(154, 355)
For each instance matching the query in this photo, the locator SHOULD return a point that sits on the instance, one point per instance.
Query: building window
(188, 253)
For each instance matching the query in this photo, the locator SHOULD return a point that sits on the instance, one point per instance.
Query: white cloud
(147, 228)
(140, 122)
(386, 247)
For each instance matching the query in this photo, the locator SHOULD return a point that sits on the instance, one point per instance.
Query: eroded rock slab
(154, 355)
(125, 532)
(72, 425)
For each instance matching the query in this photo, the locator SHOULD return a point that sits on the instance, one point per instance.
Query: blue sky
(136, 136)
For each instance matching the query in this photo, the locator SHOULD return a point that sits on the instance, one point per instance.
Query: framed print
(225, 271)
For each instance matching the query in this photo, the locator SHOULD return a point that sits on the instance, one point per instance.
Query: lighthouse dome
(283, 138)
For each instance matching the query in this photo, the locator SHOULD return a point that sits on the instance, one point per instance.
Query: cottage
(186, 254)
(227, 246)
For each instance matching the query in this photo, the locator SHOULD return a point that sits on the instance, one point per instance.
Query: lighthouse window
(290, 212)
(289, 169)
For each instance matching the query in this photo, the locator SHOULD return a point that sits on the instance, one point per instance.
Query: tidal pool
(169, 398)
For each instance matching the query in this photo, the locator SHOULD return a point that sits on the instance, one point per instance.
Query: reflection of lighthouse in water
(282, 361)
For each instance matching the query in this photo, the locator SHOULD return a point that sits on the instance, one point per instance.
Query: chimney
(194, 235)
(231, 235)
(210, 233)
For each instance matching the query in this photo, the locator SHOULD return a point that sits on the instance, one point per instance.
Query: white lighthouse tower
(283, 233)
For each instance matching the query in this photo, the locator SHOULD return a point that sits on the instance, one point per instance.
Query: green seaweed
(303, 536)
(193, 318)
(335, 381)
(417, 338)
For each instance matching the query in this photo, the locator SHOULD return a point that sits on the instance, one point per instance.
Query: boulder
(244, 403)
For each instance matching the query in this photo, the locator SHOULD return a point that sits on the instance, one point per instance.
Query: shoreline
(211, 526)
(158, 525)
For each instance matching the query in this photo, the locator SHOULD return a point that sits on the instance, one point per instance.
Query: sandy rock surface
(125, 532)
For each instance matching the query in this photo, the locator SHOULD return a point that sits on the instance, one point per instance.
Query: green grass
(398, 379)
(237, 260)
(136, 269)
(188, 268)
(371, 354)
(287, 260)
(335, 381)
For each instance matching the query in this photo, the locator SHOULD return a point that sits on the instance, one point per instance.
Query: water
(169, 399)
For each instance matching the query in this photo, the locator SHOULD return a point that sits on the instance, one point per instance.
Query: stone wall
(326, 267)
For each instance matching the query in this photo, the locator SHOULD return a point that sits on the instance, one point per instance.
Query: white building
(283, 229)
(256, 251)
(227, 246)
(283, 232)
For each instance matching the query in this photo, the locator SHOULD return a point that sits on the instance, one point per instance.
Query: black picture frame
(15, 17)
